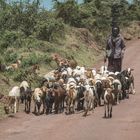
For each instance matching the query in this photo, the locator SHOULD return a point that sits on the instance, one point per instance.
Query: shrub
(50, 30)
(47, 59)
(19, 75)
(11, 39)
(10, 56)
(30, 60)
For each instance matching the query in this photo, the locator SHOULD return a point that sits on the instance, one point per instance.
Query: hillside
(78, 42)
(33, 35)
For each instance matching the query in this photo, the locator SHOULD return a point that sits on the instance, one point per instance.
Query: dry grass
(132, 31)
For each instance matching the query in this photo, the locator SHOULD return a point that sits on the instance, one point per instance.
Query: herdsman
(115, 50)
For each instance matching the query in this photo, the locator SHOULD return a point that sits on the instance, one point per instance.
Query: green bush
(47, 59)
(10, 56)
(11, 39)
(69, 12)
(32, 42)
(30, 60)
(50, 30)
(19, 75)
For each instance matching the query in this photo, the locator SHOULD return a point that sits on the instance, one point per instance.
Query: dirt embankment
(132, 32)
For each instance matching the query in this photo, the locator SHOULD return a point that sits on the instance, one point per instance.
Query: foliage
(10, 57)
(10, 38)
(50, 29)
(19, 75)
(31, 60)
(27, 28)
(69, 12)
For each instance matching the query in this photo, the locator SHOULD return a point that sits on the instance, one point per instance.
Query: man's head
(115, 31)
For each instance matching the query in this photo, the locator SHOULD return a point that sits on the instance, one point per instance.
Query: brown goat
(108, 102)
(8, 102)
(59, 96)
(14, 66)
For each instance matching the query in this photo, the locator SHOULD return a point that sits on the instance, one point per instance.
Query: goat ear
(77, 87)
(132, 69)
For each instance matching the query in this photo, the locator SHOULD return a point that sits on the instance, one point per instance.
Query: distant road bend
(125, 124)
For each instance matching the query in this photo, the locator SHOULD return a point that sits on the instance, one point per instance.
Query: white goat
(38, 100)
(24, 84)
(103, 70)
(88, 99)
(117, 86)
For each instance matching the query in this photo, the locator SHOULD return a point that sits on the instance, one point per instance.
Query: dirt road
(125, 124)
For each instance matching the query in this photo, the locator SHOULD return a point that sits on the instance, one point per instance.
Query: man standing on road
(115, 50)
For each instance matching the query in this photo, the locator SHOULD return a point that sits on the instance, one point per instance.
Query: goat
(59, 96)
(108, 102)
(26, 94)
(103, 70)
(13, 100)
(130, 76)
(70, 98)
(80, 97)
(99, 90)
(39, 97)
(58, 59)
(14, 66)
(117, 86)
(88, 99)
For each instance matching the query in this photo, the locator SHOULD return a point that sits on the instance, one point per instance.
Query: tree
(68, 11)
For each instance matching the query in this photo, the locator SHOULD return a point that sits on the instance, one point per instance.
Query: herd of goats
(71, 87)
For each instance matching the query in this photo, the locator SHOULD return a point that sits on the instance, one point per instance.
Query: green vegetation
(70, 29)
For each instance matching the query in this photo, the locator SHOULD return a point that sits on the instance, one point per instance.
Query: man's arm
(123, 46)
